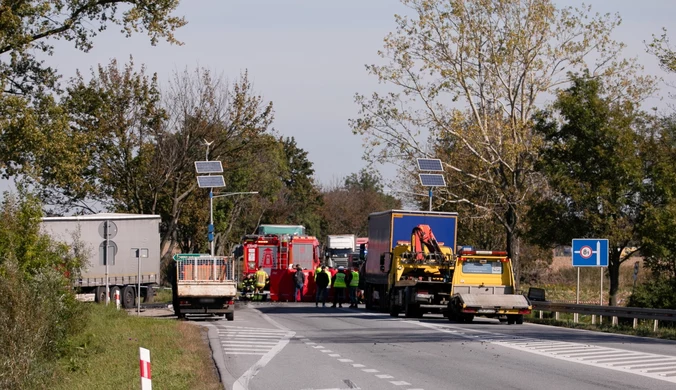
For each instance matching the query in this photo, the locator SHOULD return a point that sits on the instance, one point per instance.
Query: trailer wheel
(149, 296)
(113, 289)
(100, 294)
(519, 319)
(230, 316)
(467, 318)
(511, 319)
(128, 297)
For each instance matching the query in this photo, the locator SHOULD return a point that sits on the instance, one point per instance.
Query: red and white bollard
(146, 383)
(117, 299)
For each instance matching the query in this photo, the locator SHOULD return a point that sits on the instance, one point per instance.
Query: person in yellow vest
(339, 286)
(261, 280)
(352, 281)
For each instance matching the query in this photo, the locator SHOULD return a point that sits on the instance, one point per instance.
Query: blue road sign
(590, 252)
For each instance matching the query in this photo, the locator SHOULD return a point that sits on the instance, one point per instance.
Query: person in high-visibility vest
(261, 280)
(339, 286)
(353, 284)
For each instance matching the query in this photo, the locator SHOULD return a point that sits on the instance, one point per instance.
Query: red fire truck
(275, 249)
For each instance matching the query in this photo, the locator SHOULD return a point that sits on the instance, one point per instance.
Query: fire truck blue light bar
(430, 164)
(208, 167)
(210, 181)
(432, 180)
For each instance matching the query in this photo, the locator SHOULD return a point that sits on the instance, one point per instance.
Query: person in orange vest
(339, 286)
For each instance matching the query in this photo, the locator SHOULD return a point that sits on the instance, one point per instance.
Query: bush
(658, 293)
(38, 310)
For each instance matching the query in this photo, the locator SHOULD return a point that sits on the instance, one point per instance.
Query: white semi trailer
(133, 242)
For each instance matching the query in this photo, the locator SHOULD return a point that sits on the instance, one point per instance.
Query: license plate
(486, 311)
(207, 300)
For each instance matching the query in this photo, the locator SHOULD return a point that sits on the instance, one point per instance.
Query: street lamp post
(211, 210)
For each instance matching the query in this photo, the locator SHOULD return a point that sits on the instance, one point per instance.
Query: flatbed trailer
(204, 285)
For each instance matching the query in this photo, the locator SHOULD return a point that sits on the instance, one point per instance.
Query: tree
(33, 127)
(347, 206)
(470, 75)
(658, 217)
(300, 200)
(591, 158)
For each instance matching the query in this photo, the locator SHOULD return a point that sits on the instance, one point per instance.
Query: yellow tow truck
(483, 285)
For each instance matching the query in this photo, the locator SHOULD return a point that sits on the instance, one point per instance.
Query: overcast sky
(308, 58)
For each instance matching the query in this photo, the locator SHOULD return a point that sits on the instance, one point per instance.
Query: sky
(308, 57)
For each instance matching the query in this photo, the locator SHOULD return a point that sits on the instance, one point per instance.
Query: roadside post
(589, 252)
(146, 382)
(139, 253)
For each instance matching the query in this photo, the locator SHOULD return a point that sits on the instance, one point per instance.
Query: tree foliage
(591, 158)
(347, 206)
(470, 74)
(33, 126)
(658, 219)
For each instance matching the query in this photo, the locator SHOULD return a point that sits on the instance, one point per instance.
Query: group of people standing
(341, 281)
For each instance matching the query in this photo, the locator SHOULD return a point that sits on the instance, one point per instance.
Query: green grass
(106, 354)
(163, 295)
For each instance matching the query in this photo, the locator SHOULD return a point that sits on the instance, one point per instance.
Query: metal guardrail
(608, 311)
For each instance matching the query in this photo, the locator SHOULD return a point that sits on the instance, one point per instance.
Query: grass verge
(106, 354)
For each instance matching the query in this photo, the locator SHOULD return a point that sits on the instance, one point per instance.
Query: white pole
(106, 260)
(601, 299)
(430, 196)
(146, 377)
(138, 279)
(211, 218)
(577, 292)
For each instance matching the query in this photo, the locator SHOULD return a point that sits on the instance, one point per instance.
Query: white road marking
(370, 370)
(335, 355)
(400, 383)
(591, 355)
(326, 350)
(242, 383)
(345, 360)
(384, 376)
(357, 365)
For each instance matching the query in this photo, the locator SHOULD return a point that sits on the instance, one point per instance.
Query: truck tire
(100, 294)
(230, 316)
(149, 296)
(113, 289)
(467, 318)
(511, 319)
(128, 297)
(519, 319)
(394, 309)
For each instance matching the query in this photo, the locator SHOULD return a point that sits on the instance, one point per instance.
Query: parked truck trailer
(133, 241)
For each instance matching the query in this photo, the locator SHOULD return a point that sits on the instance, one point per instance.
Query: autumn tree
(33, 127)
(469, 75)
(299, 200)
(348, 205)
(591, 159)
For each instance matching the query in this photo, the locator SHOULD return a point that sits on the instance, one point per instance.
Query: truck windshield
(481, 266)
(340, 252)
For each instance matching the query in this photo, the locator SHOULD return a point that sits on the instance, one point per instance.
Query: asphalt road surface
(299, 346)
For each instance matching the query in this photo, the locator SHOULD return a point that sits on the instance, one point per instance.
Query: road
(299, 346)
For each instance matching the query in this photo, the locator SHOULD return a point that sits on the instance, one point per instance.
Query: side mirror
(362, 251)
(385, 258)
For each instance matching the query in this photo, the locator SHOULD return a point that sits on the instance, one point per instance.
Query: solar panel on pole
(430, 164)
(208, 167)
(210, 181)
(432, 180)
